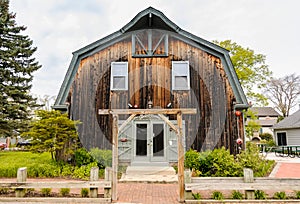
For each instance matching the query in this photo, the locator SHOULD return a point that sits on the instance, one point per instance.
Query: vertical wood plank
(115, 158)
(180, 158)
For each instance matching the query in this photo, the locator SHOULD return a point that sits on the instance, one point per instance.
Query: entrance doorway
(150, 141)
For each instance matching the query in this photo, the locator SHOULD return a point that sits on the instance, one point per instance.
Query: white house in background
(266, 117)
(287, 131)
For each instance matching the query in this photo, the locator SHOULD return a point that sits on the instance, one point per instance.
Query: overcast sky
(60, 27)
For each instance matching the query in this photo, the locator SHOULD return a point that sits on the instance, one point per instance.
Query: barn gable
(151, 63)
(146, 19)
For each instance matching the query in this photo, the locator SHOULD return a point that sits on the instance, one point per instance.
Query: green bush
(266, 136)
(237, 195)
(217, 195)
(83, 172)
(260, 195)
(197, 196)
(46, 192)
(224, 164)
(84, 192)
(192, 159)
(83, 157)
(3, 191)
(297, 194)
(251, 158)
(280, 195)
(102, 157)
(64, 191)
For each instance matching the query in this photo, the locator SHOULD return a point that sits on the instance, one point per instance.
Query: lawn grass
(12, 160)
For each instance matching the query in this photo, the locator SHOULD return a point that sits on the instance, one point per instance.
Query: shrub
(46, 191)
(84, 192)
(251, 158)
(217, 195)
(192, 158)
(83, 172)
(297, 194)
(82, 157)
(260, 195)
(197, 196)
(3, 191)
(102, 157)
(280, 195)
(266, 136)
(64, 191)
(237, 195)
(224, 164)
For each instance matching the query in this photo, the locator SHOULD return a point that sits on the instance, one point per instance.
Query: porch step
(149, 174)
(150, 170)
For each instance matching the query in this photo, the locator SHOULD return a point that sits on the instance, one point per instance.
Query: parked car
(24, 143)
(2, 145)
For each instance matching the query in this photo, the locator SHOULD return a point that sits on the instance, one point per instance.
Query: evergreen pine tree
(16, 67)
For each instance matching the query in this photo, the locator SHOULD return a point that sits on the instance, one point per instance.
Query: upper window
(119, 76)
(149, 43)
(180, 75)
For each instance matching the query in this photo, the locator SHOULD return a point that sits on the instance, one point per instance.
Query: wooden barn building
(151, 63)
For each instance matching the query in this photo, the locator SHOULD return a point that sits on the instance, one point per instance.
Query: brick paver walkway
(148, 193)
(288, 170)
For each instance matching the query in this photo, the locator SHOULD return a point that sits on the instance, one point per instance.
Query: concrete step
(150, 170)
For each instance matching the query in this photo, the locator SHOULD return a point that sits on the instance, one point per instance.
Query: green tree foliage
(16, 68)
(252, 123)
(53, 132)
(251, 70)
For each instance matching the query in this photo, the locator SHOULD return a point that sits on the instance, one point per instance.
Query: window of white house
(180, 75)
(119, 76)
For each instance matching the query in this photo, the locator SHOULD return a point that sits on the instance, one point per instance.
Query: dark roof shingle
(293, 121)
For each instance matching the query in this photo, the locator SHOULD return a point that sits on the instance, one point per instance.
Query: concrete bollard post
(108, 177)
(94, 176)
(188, 195)
(248, 178)
(21, 178)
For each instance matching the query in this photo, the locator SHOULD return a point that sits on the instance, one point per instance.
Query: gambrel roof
(151, 18)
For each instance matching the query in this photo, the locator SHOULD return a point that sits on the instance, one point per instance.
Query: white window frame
(115, 73)
(182, 73)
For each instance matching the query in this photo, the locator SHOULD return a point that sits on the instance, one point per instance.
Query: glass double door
(150, 141)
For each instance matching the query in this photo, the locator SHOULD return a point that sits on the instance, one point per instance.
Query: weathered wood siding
(215, 124)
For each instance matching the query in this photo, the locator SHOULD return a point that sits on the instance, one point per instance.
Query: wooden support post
(21, 178)
(180, 157)
(115, 132)
(188, 179)
(94, 176)
(108, 177)
(248, 178)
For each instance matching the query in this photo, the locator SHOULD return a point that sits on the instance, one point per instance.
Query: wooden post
(21, 178)
(115, 157)
(94, 176)
(248, 178)
(108, 177)
(188, 179)
(180, 157)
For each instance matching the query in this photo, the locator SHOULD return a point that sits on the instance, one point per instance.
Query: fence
(93, 185)
(248, 184)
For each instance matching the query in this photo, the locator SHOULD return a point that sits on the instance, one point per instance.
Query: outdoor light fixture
(169, 105)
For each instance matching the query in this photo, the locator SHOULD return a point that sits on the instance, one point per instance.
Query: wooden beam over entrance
(133, 112)
(172, 111)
